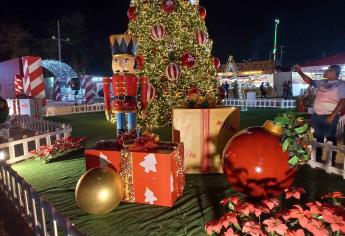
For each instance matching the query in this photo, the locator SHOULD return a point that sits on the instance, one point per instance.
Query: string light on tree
(177, 53)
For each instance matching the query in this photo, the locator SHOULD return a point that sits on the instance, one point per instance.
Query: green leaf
(283, 121)
(302, 129)
(231, 206)
(294, 161)
(287, 143)
(237, 226)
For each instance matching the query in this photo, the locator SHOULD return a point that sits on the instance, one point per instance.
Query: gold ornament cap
(272, 128)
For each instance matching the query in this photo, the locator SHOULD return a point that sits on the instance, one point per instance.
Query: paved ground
(11, 224)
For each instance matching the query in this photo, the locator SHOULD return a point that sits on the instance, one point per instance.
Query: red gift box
(155, 177)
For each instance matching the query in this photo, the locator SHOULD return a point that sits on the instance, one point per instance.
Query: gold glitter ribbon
(126, 172)
(179, 157)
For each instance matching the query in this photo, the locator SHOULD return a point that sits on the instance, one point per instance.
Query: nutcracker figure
(125, 84)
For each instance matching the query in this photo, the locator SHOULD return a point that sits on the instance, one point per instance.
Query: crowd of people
(234, 87)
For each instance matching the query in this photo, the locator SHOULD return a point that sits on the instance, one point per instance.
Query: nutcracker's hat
(123, 44)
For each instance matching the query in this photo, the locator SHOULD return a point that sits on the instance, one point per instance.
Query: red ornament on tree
(216, 62)
(140, 61)
(201, 37)
(168, 6)
(157, 32)
(131, 13)
(173, 72)
(255, 164)
(202, 12)
(193, 91)
(188, 59)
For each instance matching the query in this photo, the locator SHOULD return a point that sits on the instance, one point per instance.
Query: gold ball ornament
(99, 191)
(300, 121)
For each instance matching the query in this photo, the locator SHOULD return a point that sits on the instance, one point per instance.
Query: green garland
(296, 137)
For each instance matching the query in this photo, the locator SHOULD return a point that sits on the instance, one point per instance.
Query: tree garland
(296, 137)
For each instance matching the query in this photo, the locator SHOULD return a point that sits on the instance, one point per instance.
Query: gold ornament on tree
(99, 191)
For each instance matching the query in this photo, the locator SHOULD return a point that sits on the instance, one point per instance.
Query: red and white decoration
(151, 93)
(57, 90)
(18, 85)
(168, 6)
(88, 86)
(33, 82)
(173, 72)
(202, 12)
(216, 62)
(157, 32)
(188, 59)
(131, 13)
(201, 37)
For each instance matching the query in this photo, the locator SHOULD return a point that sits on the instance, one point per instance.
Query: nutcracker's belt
(125, 98)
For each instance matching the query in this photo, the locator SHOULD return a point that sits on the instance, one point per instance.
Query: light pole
(276, 21)
(59, 39)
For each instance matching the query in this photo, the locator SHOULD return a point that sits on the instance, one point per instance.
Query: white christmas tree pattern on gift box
(104, 161)
(149, 163)
(150, 196)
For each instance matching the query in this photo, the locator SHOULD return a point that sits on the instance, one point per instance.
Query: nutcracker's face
(123, 63)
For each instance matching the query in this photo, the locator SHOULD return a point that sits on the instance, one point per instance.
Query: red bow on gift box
(145, 143)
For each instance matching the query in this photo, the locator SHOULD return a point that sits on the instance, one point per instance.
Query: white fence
(244, 104)
(40, 216)
(340, 128)
(37, 125)
(327, 149)
(66, 110)
(14, 151)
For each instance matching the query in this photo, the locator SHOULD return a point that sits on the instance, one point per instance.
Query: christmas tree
(174, 51)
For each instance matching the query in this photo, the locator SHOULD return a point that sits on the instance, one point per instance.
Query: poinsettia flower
(245, 208)
(315, 208)
(213, 226)
(294, 192)
(271, 203)
(338, 224)
(335, 195)
(252, 228)
(299, 232)
(297, 213)
(230, 232)
(228, 218)
(314, 226)
(259, 209)
(275, 226)
(232, 199)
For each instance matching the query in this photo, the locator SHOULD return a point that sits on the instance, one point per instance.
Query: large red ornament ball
(188, 59)
(255, 164)
(173, 72)
(201, 37)
(131, 13)
(140, 61)
(157, 32)
(216, 62)
(168, 6)
(202, 12)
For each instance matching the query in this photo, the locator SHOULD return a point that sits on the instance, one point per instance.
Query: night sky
(309, 30)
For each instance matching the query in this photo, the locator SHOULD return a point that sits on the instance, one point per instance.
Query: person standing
(235, 90)
(285, 89)
(226, 87)
(329, 102)
(262, 90)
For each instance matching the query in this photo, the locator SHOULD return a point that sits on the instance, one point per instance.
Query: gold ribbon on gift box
(126, 172)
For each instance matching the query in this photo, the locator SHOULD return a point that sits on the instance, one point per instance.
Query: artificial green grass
(200, 203)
